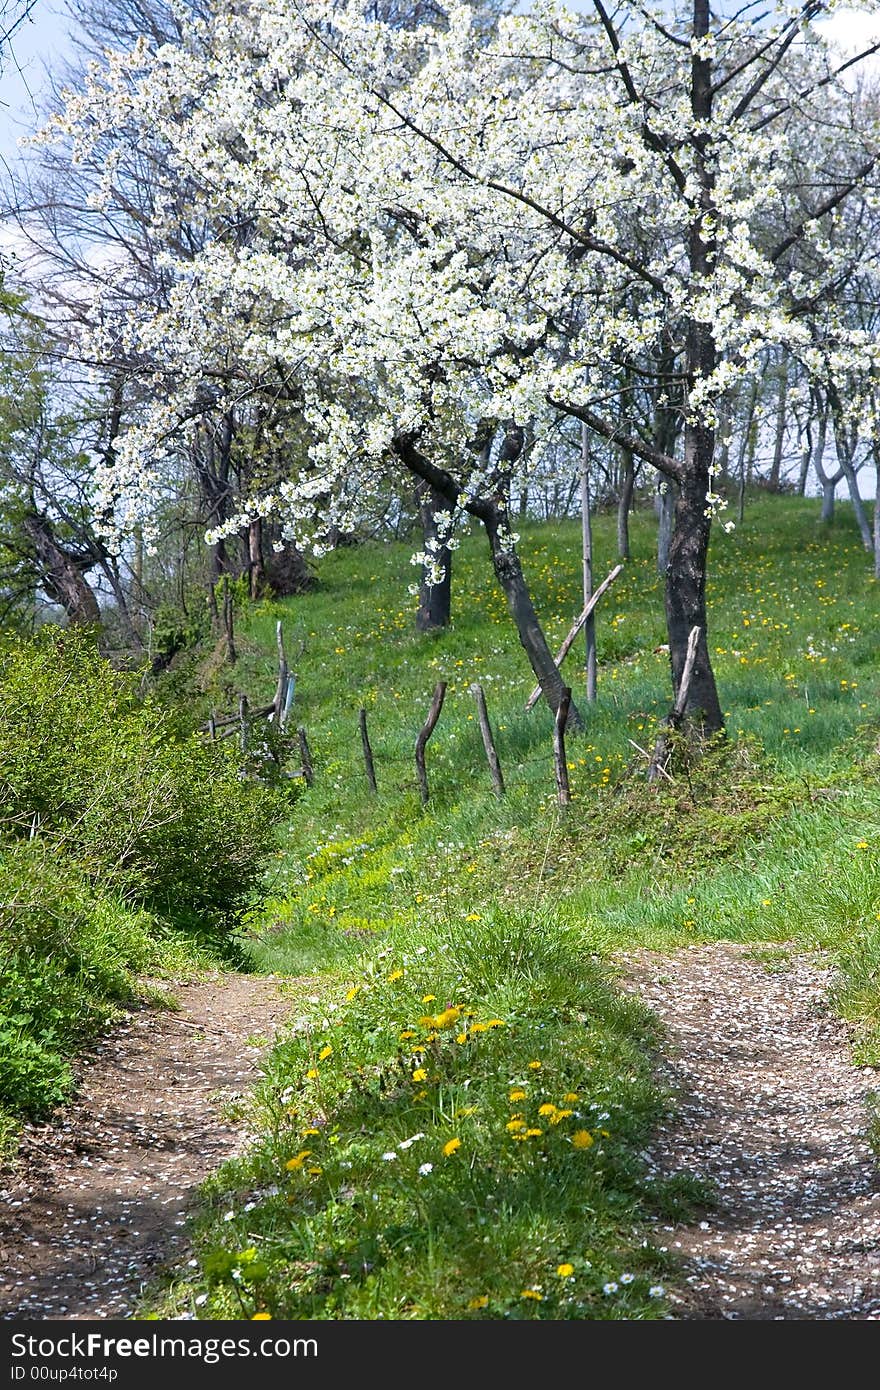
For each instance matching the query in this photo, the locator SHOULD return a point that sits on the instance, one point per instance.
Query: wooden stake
(281, 687)
(244, 721)
(488, 740)
(563, 791)
(424, 734)
(212, 726)
(569, 641)
(368, 752)
(308, 771)
(231, 653)
(657, 767)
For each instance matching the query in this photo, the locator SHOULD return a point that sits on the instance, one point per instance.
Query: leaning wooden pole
(488, 740)
(424, 734)
(657, 765)
(244, 722)
(569, 640)
(368, 752)
(281, 686)
(307, 769)
(563, 790)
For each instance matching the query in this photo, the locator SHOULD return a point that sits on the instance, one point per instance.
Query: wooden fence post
(231, 654)
(308, 771)
(563, 790)
(657, 766)
(244, 721)
(488, 740)
(281, 687)
(576, 627)
(288, 700)
(424, 734)
(368, 752)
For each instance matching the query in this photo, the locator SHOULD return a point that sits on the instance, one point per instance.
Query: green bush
(145, 807)
(67, 961)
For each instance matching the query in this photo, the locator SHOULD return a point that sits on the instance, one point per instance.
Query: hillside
(500, 912)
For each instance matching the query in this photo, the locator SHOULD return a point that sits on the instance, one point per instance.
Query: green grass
(512, 907)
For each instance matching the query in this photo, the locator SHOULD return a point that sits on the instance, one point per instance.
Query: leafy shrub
(145, 807)
(67, 960)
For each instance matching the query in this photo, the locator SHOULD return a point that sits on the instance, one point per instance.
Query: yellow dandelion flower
(496, 1023)
(582, 1139)
(547, 1109)
(406, 1034)
(534, 1066)
(481, 1301)
(447, 1017)
(532, 1293)
(533, 1133)
(312, 1074)
(261, 1317)
(452, 1146)
(428, 998)
(565, 1271)
(420, 1074)
(395, 975)
(479, 1027)
(472, 917)
(570, 1097)
(517, 1094)
(515, 1126)
(461, 1038)
(311, 1130)
(559, 1116)
(325, 1053)
(294, 1164)
(427, 1021)
(356, 989)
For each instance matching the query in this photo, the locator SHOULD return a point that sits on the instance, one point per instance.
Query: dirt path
(97, 1203)
(775, 1114)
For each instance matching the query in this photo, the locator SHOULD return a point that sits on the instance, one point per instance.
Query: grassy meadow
(457, 1127)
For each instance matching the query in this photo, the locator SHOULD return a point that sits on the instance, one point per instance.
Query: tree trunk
(508, 571)
(829, 486)
(61, 573)
(686, 583)
(435, 600)
(667, 496)
(779, 442)
(686, 571)
(876, 512)
(846, 446)
(627, 484)
(587, 556)
(256, 571)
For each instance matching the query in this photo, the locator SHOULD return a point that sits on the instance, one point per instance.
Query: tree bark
(256, 571)
(686, 570)
(667, 495)
(846, 445)
(509, 573)
(491, 511)
(435, 600)
(61, 572)
(779, 441)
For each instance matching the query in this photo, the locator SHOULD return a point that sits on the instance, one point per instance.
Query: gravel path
(773, 1112)
(96, 1203)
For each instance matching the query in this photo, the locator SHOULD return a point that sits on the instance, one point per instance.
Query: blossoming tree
(439, 242)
